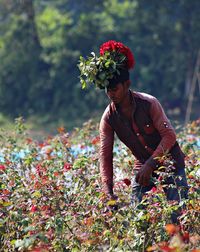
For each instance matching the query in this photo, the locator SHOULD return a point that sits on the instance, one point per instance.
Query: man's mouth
(113, 98)
(115, 101)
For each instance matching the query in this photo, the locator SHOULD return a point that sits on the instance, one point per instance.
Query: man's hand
(144, 175)
(112, 196)
(112, 202)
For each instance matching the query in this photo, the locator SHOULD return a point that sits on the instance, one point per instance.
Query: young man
(140, 123)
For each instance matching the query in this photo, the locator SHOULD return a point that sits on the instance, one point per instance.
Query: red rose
(127, 181)
(112, 45)
(186, 237)
(95, 140)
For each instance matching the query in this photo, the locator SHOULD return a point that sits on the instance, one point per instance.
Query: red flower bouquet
(99, 70)
(118, 47)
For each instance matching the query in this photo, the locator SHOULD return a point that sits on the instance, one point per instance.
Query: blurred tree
(41, 41)
(22, 69)
(166, 41)
(85, 35)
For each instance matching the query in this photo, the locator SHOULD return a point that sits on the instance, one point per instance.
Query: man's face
(117, 93)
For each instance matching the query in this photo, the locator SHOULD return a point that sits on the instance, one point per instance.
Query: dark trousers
(176, 188)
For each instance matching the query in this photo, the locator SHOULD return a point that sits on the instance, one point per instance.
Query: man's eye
(111, 89)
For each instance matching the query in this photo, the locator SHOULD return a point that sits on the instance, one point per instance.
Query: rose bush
(51, 197)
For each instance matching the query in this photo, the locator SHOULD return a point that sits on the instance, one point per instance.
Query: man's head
(120, 77)
(118, 92)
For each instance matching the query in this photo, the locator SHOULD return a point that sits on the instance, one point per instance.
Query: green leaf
(37, 194)
(7, 203)
(83, 84)
(111, 202)
(102, 76)
(13, 242)
(107, 64)
(75, 249)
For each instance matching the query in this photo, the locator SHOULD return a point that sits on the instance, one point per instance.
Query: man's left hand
(144, 175)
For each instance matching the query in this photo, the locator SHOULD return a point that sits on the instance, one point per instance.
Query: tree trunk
(28, 9)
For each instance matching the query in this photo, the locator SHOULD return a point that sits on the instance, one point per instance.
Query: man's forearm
(108, 188)
(106, 172)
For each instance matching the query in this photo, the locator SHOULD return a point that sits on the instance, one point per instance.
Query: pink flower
(2, 168)
(45, 208)
(154, 189)
(67, 167)
(33, 209)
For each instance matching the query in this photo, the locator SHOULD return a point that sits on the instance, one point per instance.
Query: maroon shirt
(149, 135)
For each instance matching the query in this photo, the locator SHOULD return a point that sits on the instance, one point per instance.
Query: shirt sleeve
(106, 155)
(164, 127)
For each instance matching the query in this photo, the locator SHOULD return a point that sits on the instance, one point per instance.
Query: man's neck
(127, 107)
(126, 103)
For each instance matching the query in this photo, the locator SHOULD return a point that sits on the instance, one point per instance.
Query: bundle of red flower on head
(108, 69)
(113, 45)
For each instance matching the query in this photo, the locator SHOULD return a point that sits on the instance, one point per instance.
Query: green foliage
(51, 24)
(98, 70)
(22, 71)
(41, 42)
(51, 197)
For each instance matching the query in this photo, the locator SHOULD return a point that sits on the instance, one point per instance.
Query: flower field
(51, 197)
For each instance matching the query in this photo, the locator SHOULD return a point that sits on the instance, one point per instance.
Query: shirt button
(147, 125)
(138, 134)
(145, 147)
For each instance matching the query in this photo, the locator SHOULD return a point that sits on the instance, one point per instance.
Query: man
(140, 123)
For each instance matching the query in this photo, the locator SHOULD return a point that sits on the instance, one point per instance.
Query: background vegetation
(51, 197)
(50, 190)
(41, 41)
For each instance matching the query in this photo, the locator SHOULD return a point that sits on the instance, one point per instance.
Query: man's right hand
(112, 196)
(112, 202)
